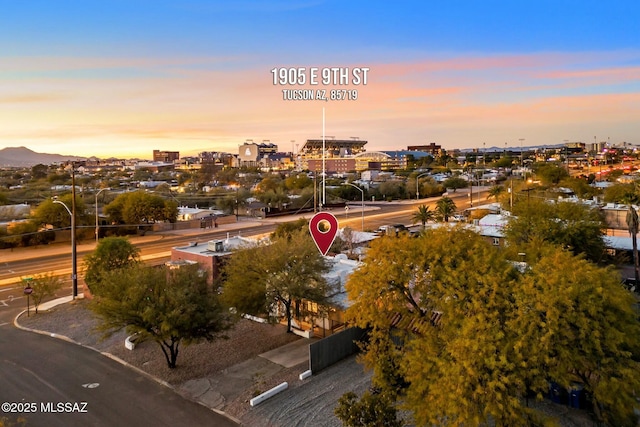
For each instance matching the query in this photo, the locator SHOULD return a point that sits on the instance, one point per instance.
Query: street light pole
(522, 158)
(74, 258)
(418, 184)
(362, 193)
(97, 224)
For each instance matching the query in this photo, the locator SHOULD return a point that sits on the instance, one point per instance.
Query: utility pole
(74, 258)
(522, 159)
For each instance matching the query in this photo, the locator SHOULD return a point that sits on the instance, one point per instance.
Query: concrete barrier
(130, 342)
(255, 319)
(302, 333)
(306, 374)
(269, 393)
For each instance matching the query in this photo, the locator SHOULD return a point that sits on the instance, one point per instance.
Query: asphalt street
(51, 382)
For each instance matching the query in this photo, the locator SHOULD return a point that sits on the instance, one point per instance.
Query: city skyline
(120, 79)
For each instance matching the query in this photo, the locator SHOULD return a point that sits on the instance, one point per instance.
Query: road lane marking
(90, 385)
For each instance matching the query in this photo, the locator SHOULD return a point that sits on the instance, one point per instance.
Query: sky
(120, 78)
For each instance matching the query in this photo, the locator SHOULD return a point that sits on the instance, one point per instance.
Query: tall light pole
(524, 177)
(362, 192)
(97, 224)
(74, 258)
(418, 184)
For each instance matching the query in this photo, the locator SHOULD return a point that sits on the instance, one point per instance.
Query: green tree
(298, 181)
(112, 253)
(272, 182)
(550, 174)
(27, 234)
(372, 410)
(576, 323)
(423, 215)
(392, 190)
(580, 187)
(495, 191)
(464, 337)
(140, 207)
(167, 306)
(572, 226)
(39, 171)
(290, 228)
(444, 297)
(56, 215)
(621, 193)
(44, 286)
(284, 272)
(445, 207)
(455, 182)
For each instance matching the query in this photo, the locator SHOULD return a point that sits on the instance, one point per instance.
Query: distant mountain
(24, 157)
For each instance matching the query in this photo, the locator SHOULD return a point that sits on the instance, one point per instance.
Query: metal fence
(334, 348)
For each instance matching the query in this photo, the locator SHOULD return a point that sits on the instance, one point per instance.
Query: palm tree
(495, 191)
(632, 224)
(423, 215)
(445, 207)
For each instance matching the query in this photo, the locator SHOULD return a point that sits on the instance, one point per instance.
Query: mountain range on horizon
(25, 157)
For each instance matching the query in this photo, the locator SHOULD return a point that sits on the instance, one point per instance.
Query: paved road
(157, 248)
(38, 372)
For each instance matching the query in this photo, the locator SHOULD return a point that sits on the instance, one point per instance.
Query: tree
(56, 215)
(423, 215)
(372, 410)
(44, 286)
(39, 171)
(496, 191)
(27, 234)
(572, 226)
(450, 292)
(167, 306)
(298, 181)
(632, 224)
(621, 193)
(283, 272)
(112, 253)
(551, 174)
(140, 207)
(576, 323)
(288, 229)
(445, 207)
(455, 182)
(464, 337)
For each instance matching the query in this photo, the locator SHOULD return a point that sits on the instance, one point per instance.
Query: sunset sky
(123, 77)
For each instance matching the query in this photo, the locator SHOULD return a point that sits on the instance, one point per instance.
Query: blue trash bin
(557, 394)
(576, 396)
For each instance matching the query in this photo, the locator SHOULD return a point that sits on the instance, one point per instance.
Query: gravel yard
(305, 403)
(248, 339)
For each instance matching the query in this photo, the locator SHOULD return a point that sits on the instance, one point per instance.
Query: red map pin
(323, 239)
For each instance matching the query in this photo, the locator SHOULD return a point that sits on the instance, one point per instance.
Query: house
(492, 228)
(209, 255)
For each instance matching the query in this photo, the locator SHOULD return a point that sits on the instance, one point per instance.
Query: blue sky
(124, 77)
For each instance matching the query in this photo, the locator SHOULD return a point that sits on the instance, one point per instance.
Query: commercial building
(165, 156)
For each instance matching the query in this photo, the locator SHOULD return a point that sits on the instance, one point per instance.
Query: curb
(118, 360)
